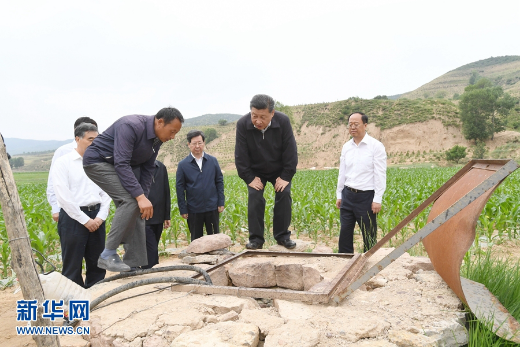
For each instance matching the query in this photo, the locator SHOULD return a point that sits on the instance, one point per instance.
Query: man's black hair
(169, 114)
(84, 120)
(81, 129)
(195, 133)
(364, 117)
(261, 102)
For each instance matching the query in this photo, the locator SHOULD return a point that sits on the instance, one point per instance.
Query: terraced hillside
(502, 71)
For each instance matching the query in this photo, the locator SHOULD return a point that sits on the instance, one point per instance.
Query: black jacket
(273, 153)
(199, 190)
(160, 195)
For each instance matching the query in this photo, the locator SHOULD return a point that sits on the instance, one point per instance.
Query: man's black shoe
(113, 263)
(287, 243)
(253, 245)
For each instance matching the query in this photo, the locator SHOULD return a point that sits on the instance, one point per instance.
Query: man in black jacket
(265, 151)
(200, 188)
(160, 198)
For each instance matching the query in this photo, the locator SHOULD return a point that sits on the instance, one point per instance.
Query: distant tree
(381, 97)
(285, 109)
(16, 162)
(474, 78)
(456, 96)
(483, 109)
(513, 120)
(222, 122)
(479, 150)
(456, 153)
(211, 134)
(441, 94)
(426, 95)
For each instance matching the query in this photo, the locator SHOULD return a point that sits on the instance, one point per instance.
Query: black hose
(158, 269)
(143, 282)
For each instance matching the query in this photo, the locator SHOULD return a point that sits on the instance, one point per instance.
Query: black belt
(358, 190)
(90, 208)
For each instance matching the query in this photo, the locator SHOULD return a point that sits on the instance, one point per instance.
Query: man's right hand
(55, 216)
(185, 216)
(256, 184)
(145, 207)
(91, 225)
(338, 203)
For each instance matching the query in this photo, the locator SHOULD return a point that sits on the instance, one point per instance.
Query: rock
(220, 304)
(201, 259)
(292, 309)
(72, 341)
(173, 251)
(311, 277)
(223, 251)
(289, 276)
(219, 276)
(448, 333)
(415, 264)
(183, 254)
(376, 282)
(264, 319)
(294, 333)
(155, 341)
(170, 332)
(230, 316)
(320, 287)
(373, 343)
(210, 319)
(225, 334)
(209, 243)
(356, 325)
(138, 342)
(322, 249)
(181, 316)
(301, 246)
(258, 274)
(404, 338)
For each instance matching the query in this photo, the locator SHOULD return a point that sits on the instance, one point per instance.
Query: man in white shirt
(361, 184)
(61, 151)
(84, 209)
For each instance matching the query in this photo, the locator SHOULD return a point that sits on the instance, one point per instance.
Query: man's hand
(166, 224)
(98, 222)
(185, 216)
(220, 209)
(256, 184)
(376, 207)
(280, 185)
(338, 203)
(91, 225)
(55, 216)
(145, 207)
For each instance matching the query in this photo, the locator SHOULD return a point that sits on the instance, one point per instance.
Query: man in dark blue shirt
(200, 188)
(131, 142)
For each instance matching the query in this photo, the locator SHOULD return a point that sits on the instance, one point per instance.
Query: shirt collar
(75, 155)
(202, 157)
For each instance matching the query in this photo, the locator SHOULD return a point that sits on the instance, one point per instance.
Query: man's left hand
(166, 224)
(376, 207)
(220, 209)
(280, 185)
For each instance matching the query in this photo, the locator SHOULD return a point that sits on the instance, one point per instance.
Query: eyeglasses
(196, 144)
(353, 125)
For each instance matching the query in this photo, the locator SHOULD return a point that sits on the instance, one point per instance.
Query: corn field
(314, 213)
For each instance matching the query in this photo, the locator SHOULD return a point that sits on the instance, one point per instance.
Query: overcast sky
(60, 60)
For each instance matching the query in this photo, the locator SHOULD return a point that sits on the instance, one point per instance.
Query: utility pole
(22, 261)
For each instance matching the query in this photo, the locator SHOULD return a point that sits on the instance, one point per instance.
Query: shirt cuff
(377, 199)
(55, 209)
(83, 219)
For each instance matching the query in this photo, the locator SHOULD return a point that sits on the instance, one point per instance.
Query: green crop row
(314, 213)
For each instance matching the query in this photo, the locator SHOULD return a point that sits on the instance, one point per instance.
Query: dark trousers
(357, 207)
(153, 236)
(196, 222)
(78, 243)
(281, 213)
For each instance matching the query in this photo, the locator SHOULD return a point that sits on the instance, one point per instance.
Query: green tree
(474, 78)
(222, 122)
(483, 108)
(211, 134)
(381, 97)
(16, 162)
(285, 109)
(441, 94)
(513, 120)
(456, 96)
(456, 153)
(479, 150)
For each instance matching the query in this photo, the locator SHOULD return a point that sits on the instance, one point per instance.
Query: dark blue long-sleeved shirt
(128, 143)
(199, 190)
